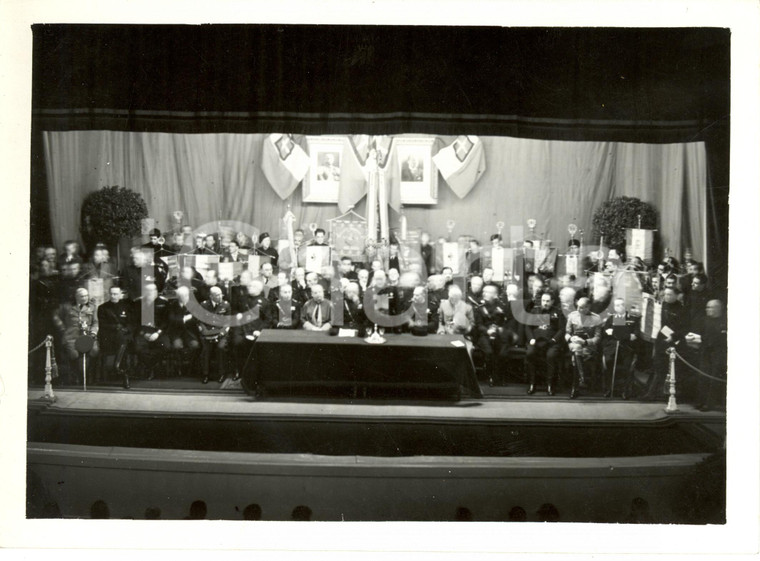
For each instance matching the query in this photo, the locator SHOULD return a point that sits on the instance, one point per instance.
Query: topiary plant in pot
(614, 216)
(110, 214)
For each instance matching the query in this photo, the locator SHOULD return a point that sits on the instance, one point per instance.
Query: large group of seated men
(549, 330)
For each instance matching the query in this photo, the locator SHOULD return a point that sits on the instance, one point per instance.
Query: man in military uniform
(115, 318)
(151, 339)
(489, 335)
(214, 338)
(475, 295)
(73, 320)
(287, 312)
(254, 309)
(673, 327)
(544, 341)
(617, 348)
(583, 333)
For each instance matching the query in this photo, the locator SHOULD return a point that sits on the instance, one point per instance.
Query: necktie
(318, 315)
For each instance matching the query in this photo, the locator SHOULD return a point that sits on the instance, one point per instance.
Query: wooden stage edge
(238, 405)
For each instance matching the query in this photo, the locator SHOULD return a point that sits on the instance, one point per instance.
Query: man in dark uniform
(475, 293)
(695, 301)
(544, 341)
(583, 333)
(233, 254)
(214, 338)
(209, 246)
(673, 328)
(153, 244)
(254, 308)
(151, 339)
(713, 356)
(301, 289)
(428, 253)
(353, 310)
(489, 333)
(116, 325)
(183, 328)
(287, 312)
(617, 348)
(145, 267)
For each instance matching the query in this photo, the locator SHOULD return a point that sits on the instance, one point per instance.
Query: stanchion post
(672, 406)
(49, 395)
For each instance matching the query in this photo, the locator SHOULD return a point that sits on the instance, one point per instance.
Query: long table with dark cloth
(291, 360)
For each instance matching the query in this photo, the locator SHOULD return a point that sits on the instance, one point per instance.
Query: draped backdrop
(213, 176)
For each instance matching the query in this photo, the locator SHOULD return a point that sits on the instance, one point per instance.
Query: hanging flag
(462, 163)
(353, 175)
(284, 163)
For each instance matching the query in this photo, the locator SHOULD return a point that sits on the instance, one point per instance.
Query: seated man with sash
(316, 314)
(287, 312)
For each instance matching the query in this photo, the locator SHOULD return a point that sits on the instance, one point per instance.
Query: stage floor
(225, 403)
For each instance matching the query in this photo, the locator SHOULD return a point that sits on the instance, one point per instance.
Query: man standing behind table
(544, 340)
(583, 333)
(316, 314)
(233, 254)
(617, 348)
(214, 338)
(116, 324)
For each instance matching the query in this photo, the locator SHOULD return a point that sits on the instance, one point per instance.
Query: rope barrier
(687, 363)
(39, 346)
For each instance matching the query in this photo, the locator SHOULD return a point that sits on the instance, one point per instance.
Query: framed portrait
(322, 183)
(418, 173)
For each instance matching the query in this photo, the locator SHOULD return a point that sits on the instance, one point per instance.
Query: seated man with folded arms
(316, 314)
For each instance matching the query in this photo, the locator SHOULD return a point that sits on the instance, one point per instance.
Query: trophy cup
(450, 226)
(532, 227)
(177, 215)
